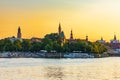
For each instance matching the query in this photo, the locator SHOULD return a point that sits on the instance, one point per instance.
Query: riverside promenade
(22, 55)
(49, 55)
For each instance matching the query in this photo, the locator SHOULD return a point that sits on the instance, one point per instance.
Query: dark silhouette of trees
(26, 45)
(52, 42)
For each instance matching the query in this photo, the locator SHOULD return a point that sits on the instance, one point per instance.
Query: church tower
(115, 37)
(71, 35)
(59, 29)
(19, 35)
(101, 38)
(86, 37)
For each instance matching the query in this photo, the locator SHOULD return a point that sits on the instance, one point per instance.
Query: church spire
(115, 37)
(59, 29)
(71, 35)
(19, 35)
(101, 38)
(86, 37)
(19, 30)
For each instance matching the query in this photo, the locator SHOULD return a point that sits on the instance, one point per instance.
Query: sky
(95, 18)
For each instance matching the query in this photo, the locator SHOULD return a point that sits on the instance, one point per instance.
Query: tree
(36, 46)
(1, 45)
(52, 42)
(54, 37)
(26, 45)
(44, 42)
(56, 47)
(17, 45)
(98, 48)
(48, 47)
(66, 47)
(8, 45)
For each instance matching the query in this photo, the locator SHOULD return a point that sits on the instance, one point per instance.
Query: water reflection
(63, 69)
(54, 73)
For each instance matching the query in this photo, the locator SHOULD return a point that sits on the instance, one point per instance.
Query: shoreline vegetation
(52, 46)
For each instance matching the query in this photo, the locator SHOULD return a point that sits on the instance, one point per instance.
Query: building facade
(34, 39)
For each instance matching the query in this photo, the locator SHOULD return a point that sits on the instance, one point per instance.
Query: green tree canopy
(26, 45)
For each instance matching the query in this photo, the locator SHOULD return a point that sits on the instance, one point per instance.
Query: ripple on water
(60, 69)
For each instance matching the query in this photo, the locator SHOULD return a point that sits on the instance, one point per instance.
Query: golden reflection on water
(64, 69)
(52, 72)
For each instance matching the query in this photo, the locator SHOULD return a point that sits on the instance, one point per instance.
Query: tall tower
(71, 35)
(101, 38)
(59, 29)
(115, 37)
(19, 35)
(86, 37)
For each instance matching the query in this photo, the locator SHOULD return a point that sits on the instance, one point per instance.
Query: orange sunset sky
(95, 18)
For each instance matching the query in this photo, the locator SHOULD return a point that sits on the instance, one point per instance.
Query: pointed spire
(71, 35)
(101, 38)
(19, 30)
(86, 37)
(59, 29)
(115, 38)
(19, 35)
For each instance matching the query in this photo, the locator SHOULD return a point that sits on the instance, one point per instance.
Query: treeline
(52, 42)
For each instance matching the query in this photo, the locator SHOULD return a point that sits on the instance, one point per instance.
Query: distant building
(59, 29)
(34, 39)
(101, 41)
(115, 45)
(12, 39)
(71, 39)
(114, 40)
(87, 38)
(19, 34)
(71, 35)
(61, 33)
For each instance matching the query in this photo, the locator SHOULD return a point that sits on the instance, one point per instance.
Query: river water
(60, 69)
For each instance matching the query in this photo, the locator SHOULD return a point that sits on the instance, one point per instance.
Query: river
(60, 69)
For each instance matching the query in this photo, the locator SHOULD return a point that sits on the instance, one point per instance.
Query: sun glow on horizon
(94, 18)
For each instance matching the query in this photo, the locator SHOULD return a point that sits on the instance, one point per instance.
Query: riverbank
(49, 55)
(21, 55)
